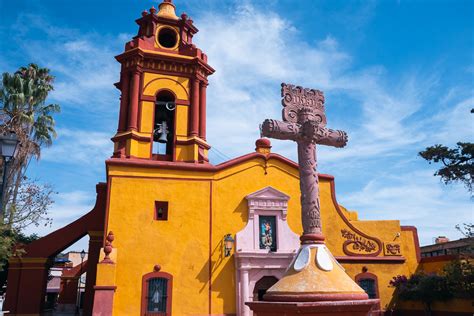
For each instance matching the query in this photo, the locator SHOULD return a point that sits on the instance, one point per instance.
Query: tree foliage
(23, 110)
(455, 281)
(422, 287)
(458, 162)
(460, 278)
(467, 229)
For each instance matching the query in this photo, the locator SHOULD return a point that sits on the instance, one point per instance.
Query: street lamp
(79, 282)
(9, 147)
(228, 244)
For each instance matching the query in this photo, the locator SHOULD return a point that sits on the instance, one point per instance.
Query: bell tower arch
(163, 84)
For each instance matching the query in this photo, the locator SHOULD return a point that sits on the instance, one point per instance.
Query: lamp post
(79, 282)
(9, 147)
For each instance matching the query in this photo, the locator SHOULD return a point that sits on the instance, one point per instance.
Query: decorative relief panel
(358, 245)
(392, 249)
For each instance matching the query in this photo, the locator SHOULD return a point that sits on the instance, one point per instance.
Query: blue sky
(398, 76)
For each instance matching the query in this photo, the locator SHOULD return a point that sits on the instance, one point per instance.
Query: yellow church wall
(181, 120)
(230, 214)
(179, 245)
(147, 117)
(186, 152)
(137, 148)
(153, 82)
(409, 251)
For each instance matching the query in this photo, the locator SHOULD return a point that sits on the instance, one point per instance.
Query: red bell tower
(163, 85)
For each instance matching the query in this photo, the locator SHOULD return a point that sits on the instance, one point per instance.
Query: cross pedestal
(315, 283)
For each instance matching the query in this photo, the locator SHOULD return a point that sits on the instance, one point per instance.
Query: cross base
(343, 308)
(314, 276)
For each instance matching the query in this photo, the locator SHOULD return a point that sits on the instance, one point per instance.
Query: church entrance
(265, 247)
(262, 286)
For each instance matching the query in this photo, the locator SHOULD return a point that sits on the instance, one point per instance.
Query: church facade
(175, 234)
(179, 208)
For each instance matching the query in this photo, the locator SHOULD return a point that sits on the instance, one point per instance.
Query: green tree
(23, 110)
(458, 162)
(460, 278)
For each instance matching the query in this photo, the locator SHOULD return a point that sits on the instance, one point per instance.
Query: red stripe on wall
(210, 246)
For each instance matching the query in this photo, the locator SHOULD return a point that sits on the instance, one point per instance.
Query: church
(173, 234)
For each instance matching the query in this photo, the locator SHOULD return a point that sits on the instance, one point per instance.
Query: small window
(267, 232)
(368, 285)
(161, 211)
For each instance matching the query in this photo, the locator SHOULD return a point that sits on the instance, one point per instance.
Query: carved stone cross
(304, 121)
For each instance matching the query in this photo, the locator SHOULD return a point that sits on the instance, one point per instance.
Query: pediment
(268, 193)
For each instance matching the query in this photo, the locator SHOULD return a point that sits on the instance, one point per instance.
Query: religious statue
(267, 240)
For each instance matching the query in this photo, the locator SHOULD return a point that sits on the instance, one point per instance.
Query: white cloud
(415, 197)
(82, 62)
(79, 147)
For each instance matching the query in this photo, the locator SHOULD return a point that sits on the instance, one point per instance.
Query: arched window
(163, 126)
(368, 282)
(157, 294)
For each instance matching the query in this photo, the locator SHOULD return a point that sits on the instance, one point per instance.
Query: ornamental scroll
(357, 245)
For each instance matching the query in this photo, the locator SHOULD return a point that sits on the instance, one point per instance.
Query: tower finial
(167, 10)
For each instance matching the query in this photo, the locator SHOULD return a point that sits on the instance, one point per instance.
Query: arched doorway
(262, 286)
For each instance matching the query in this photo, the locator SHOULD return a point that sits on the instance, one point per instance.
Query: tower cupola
(163, 84)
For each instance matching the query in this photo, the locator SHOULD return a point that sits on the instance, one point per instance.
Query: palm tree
(24, 111)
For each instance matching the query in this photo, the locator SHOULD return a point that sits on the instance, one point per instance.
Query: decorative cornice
(133, 135)
(147, 163)
(162, 61)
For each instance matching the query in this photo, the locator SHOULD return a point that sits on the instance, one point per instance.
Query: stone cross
(304, 122)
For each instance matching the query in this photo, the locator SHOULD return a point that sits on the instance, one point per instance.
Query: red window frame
(368, 275)
(169, 291)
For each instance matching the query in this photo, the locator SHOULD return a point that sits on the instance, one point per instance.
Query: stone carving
(392, 249)
(304, 122)
(108, 247)
(355, 244)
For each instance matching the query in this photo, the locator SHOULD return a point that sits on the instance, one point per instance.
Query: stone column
(310, 209)
(134, 94)
(194, 115)
(202, 111)
(244, 282)
(124, 87)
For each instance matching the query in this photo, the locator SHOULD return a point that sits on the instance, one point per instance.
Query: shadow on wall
(242, 208)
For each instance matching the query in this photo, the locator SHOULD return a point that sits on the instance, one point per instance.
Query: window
(368, 282)
(267, 226)
(368, 285)
(156, 294)
(161, 211)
